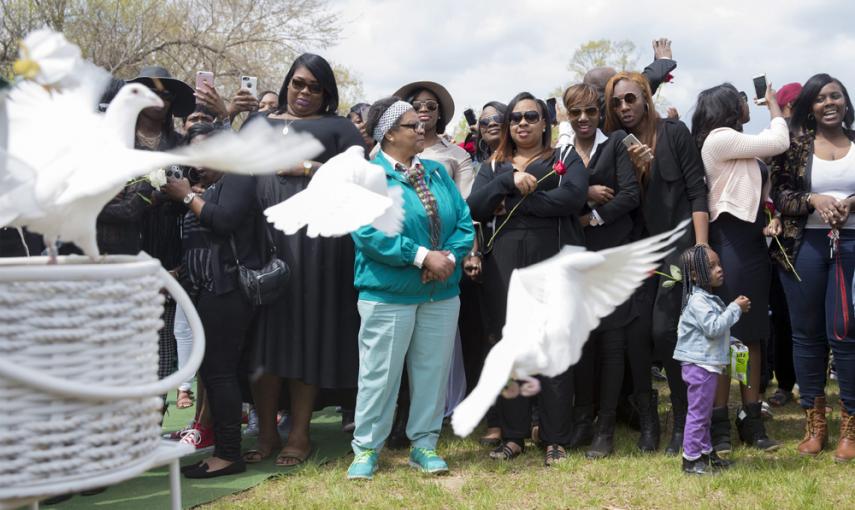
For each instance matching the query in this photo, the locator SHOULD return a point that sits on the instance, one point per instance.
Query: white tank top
(834, 178)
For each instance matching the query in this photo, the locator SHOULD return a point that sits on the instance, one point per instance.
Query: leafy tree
(603, 53)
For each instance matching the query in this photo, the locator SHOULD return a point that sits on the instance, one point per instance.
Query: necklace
(152, 142)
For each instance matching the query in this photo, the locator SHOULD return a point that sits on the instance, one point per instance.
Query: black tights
(554, 412)
(226, 319)
(603, 359)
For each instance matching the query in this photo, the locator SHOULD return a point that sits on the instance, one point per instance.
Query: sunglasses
(575, 113)
(299, 84)
(531, 116)
(415, 126)
(486, 121)
(430, 104)
(628, 98)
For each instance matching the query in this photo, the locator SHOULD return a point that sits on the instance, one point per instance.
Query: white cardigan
(733, 174)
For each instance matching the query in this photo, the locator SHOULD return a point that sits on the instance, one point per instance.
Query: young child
(703, 346)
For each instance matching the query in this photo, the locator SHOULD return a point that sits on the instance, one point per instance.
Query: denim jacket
(703, 334)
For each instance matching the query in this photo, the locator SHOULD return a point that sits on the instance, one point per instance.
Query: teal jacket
(383, 268)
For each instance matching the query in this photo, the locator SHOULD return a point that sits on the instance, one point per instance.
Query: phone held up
(204, 77)
(250, 83)
(760, 88)
(631, 141)
(470, 117)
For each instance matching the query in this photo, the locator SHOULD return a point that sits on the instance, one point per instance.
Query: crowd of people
(394, 330)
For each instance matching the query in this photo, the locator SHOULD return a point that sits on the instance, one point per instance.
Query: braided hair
(695, 264)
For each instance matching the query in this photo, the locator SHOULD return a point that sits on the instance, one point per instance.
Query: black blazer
(676, 185)
(657, 71)
(610, 166)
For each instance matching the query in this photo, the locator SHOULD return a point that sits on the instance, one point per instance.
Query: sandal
(555, 453)
(292, 454)
(258, 454)
(185, 399)
(492, 438)
(781, 398)
(506, 451)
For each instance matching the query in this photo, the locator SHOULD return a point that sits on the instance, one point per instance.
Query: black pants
(226, 320)
(554, 412)
(782, 335)
(665, 316)
(600, 371)
(639, 342)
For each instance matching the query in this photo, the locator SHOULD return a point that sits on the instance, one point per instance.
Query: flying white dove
(552, 308)
(73, 161)
(346, 193)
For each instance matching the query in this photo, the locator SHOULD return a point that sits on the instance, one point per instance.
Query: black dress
(545, 221)
(310, 333)
(741, 246)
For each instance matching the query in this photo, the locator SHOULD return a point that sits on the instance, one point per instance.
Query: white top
(835, 178)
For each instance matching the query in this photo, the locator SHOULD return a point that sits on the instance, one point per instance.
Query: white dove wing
(257, 149)
(588, 286)
(346, 193)
(497, 369)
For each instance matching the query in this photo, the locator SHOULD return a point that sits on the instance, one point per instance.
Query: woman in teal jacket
(408, 294)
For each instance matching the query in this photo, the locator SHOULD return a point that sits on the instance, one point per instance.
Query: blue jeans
(423, 335)
(816, 314)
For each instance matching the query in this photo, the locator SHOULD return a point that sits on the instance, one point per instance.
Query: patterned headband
(389, 118)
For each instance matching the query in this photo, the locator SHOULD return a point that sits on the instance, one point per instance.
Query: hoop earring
(811, 116)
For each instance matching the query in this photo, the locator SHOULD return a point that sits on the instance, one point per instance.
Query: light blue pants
(424, 336)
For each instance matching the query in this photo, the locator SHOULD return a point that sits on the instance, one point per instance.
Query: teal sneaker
(427, 461)
(363, 466)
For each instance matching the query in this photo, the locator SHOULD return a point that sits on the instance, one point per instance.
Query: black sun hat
(158, 78)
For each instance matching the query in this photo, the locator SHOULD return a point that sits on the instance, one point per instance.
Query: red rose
(468, 146)
(770, 206)
(559, 168)
(668, 78)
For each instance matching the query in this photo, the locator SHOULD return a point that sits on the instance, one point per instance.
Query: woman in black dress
(309, 335)
(613, 195)
(547, 217)
(739, 187)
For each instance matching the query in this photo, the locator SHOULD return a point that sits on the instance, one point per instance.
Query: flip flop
(289, 453)
(257, 455)
(185, 401)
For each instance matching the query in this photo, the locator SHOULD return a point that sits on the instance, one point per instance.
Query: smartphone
(206, 77)
(470, 117)
(550, 109)
(250, 83)
(760, 88)
(631, 141)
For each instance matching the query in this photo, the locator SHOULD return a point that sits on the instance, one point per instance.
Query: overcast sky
(491, 50)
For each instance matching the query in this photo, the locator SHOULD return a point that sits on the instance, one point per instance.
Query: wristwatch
(307, 168)
(189, 198)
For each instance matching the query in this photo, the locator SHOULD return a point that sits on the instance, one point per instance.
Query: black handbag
(265, 285)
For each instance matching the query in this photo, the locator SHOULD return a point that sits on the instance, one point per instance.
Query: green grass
(628, 479)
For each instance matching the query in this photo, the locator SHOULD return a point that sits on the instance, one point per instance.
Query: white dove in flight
(552, 308)
(79, 160)
(346, 193)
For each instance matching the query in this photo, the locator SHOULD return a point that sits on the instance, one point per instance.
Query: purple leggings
(701, 394)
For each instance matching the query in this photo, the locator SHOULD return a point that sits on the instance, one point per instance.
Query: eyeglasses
(430, 104)
(415, 126)
(575, 113)
(531, 116)
(628, 98)
(486, 121)
(299, 84)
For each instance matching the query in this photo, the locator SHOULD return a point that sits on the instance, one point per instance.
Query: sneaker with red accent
(177, 434)
(201, 437)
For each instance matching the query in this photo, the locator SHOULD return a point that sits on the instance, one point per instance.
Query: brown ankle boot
(816, 429)
(846, 445)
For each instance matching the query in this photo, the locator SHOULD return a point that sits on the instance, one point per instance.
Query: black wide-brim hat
(156, 77)
(446, 104)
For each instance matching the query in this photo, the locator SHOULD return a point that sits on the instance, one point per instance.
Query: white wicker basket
(78, 370)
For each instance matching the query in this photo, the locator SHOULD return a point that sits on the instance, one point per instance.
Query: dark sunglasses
(299, 84)
(628, 98)
(575, 113)
(430, 104)
(531, 116)
(415, 126)
(486, 121)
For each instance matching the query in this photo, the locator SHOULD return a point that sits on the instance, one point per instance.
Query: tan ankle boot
(846, 445)
(816, 429)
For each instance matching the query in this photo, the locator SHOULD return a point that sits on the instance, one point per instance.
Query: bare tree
(228, 37)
